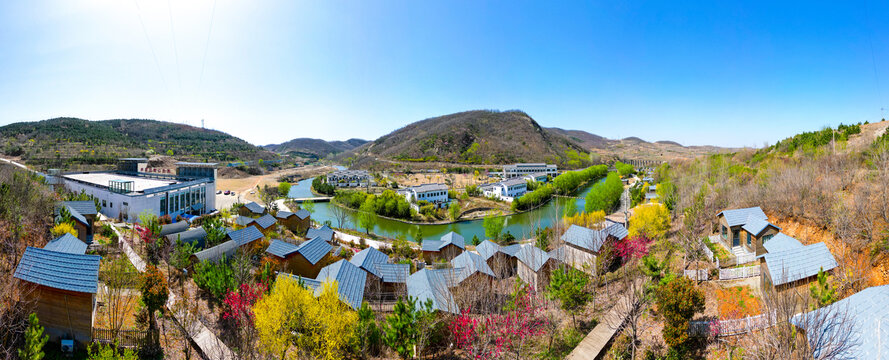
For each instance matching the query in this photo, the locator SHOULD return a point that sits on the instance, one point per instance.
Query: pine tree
(822, 292)
(34, 340)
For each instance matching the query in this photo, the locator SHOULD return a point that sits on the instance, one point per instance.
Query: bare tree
(118, 282)
(632, 305)
(339, 213)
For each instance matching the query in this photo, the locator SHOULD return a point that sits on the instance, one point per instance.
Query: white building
(436, 194)
(507, 190)
(537, 177)
(127, 192)
(518, 170)
(349, 178)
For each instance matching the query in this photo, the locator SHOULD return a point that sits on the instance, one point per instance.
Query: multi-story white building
(349, 178)
(436, 194)
(537, 177)
(519, 170)
(127, 192)
(507, 190)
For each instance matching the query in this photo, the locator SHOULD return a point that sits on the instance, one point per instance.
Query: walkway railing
(124, 338)
(739, 273)
(731, 326)
(698, 275)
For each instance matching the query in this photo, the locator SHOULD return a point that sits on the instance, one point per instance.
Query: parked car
(234, 193)
(228, 192)
(218, 192)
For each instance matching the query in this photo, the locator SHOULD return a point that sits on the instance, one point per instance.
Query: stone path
(592, 345)
(206, 340)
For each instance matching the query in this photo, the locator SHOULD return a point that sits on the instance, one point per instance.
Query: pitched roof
(430, 284)
(281, 214)
(618, 230)
(533, 257)
(350, 281)
(254, 207)
(173, 228)
(243, 220)
(735, 217)
(367, 258)
(799, 263)
(471, 263)
(324, 232)
(85, 207)
(76, 215)
(245, 236)
(446, 239)
(866, 312)
(314, 250)
(428, 187)
(266, 221)
(781, 242)
(393, 273)
(756, 225)
(215, 253)
(487, 249)
(302, 213)
(281, 248)
(572, 256)
(512, 181)
(511, 250)
(66, 243)
(309, 283)
(585, 238)
(59, 270)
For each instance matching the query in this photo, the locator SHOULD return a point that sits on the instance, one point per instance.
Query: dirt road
(243, 186)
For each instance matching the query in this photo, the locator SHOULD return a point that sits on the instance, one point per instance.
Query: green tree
(216, 232)
(570, 209)
(678, 301)
(366, 216)
(309, 205)
(34, 340)
(568, 285)
(822, 292)
(283, 189)
(454, 211)
(542, 241)
(403, 329)
(367, 333)
(493, 227)
(418, 236)
(475, 240)
(108, 352)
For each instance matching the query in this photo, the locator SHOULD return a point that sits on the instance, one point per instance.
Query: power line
(207, 44)
(150, 46)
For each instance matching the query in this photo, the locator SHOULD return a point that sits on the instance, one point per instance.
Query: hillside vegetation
(478, 137)
(314, 148)
(71, 142)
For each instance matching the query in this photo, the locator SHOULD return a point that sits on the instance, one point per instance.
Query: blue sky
(710, 72)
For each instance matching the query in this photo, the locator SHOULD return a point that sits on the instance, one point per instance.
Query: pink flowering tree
(238, 313)
(491, 336)
(632, 248)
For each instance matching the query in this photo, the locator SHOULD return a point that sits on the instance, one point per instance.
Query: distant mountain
(474, 137)
(667, 142)
(635, 148)
(316, 148)
(72, 142)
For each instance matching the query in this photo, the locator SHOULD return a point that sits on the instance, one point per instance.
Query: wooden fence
(125, 338)
(708, 253)
(731, 326)
(739, 273)
(699, 275)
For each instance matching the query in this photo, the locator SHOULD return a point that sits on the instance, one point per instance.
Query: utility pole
(202, 123)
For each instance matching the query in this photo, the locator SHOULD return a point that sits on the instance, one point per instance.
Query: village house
(429, 284)
(265, 223)
(297, 222)
(507, 190)
(446, 249)
(435, 194)
(349, 178)
(65, 284)
(795, 266)
(394, 279)
(574, 257)
(306, 259)
(252, 209)
(367, 260)
(351, 281)
(534, 267)
(519, 170)
(237, 239)
(324, 232)
(745, 230)
(501, 259)
(592, 240)
(83, 215)
(471, 275)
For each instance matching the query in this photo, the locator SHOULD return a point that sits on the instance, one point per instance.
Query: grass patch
(720, 252)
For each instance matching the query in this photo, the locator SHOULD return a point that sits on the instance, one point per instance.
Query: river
(520, 225)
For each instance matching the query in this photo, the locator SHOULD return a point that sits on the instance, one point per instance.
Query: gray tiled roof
(245, 236)
(308, 283)
(85, 207)
(173, 228)
(59, 270)
(755, 226)
(511, 250)
(314, 250)
(487, 249)
(585, 238)
(471, 264)
(350, 281)
(281, 248)
(76, 215)
(533, 257)
(194, 236)
(736, 217)
(367, 258)
(255, 208)
(324, 232)
(393, 273)
(66, 243)
(302, 213)
(513, 181)
(867, 316)
(429, 284)
(617, 230)
(428, 187)
(781, 242)
(243, 220)
(228, 248)
(266, 221)
(449, 238)
(281, 214)
(799, 263)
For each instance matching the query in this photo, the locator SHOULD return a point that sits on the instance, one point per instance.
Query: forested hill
(476, 137)
(71, 142)
(315, 148)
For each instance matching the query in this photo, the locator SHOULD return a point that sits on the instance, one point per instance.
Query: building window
(724, 232)
(749, 243)
(104, 203)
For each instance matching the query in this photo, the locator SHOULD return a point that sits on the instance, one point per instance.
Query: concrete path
(592, 345)
(343, 237)
(206, 340)
(281, 206)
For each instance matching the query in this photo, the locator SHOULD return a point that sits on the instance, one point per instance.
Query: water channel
(520, 225)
